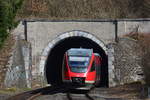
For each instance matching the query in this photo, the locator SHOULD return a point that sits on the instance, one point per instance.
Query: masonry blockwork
(53, 66)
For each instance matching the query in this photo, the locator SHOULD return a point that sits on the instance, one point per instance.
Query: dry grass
(85, 9)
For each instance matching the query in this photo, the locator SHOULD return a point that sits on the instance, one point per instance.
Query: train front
(78, 63)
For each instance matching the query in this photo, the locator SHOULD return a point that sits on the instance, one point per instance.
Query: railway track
(70, 92)
(79, 97)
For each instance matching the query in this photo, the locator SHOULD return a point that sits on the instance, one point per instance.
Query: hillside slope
(84, 9)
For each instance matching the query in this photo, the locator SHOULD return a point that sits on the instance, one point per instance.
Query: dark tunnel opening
(55, 58)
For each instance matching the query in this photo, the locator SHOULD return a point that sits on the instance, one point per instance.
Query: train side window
(64, 64)
(93, 67)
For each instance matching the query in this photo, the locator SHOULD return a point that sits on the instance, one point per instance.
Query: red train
(81, 66)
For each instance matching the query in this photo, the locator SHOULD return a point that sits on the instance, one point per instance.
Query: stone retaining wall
(19, 69)
(127, 55)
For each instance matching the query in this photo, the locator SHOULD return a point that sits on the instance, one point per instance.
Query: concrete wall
(44, 32)
(125, 27)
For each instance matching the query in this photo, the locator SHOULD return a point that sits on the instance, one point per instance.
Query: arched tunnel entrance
(54, 61)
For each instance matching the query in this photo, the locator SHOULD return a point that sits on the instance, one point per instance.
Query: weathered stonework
(111, 68)
(127, 63)
(19, 68)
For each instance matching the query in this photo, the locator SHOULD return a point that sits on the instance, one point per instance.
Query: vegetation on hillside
(8, 10)
(85, 9)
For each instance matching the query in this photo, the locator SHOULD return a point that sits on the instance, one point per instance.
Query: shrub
(8, 10)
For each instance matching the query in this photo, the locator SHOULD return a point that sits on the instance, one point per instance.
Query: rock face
(127, 54)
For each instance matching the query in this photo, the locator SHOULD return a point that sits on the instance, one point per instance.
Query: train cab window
(78, 64)
(93, 67)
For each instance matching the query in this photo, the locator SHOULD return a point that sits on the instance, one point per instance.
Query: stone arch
(63, 36)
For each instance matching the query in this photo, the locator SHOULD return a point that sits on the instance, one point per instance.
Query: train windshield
(78, 64)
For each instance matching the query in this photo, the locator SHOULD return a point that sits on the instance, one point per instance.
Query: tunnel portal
(53, 65)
